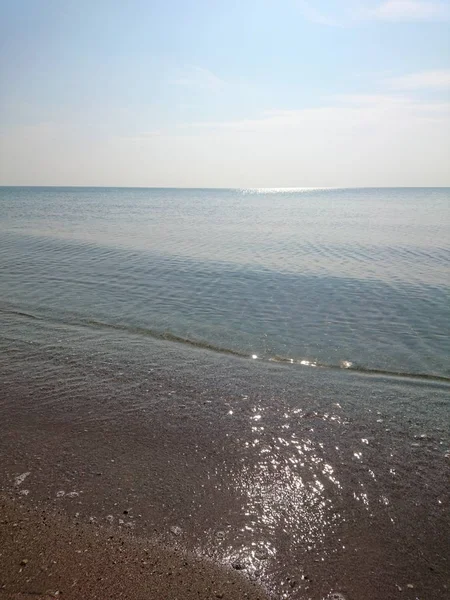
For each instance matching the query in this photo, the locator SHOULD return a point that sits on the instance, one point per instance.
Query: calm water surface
(343, 278)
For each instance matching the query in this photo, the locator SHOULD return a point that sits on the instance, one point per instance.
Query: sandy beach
(231, 486)
(45, 555)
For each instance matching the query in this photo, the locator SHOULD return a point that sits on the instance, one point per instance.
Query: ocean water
(130, 319)
(345, 278)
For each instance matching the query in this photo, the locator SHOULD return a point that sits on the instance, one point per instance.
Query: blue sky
(209, 93)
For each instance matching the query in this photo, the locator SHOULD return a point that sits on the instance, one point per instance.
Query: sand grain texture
(44, 556)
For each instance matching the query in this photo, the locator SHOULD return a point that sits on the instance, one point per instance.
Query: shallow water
(345, 278)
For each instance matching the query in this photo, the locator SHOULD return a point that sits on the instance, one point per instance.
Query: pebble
(176, 530)
(21, 478)
(24, 561)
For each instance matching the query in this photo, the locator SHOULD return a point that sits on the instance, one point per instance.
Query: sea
(267, 369)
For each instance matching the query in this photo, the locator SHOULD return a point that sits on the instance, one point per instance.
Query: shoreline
(314, 483)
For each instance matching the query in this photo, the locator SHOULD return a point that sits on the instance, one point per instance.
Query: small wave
(349, 366)
(205, 345)
(20, 313)
(160, 335)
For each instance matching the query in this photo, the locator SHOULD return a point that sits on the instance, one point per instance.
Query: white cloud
(410, 10)
(197, 77)
(431, 80)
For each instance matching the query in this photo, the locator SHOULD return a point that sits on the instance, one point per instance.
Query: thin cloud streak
(425, 80)
(312, 14)
(350, 112)
(410, 10)
(400, 11)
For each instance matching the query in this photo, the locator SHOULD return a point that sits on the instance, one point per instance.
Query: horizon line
(260, 188)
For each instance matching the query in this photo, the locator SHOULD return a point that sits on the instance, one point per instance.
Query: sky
(209, 93)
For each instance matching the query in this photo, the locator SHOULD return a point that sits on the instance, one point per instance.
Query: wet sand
(310, 483)
(45, 555)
